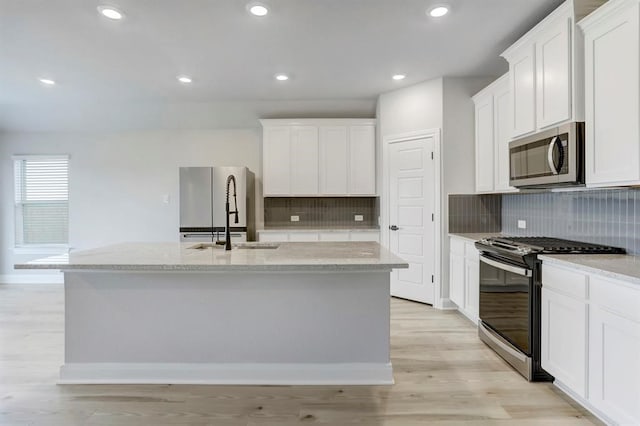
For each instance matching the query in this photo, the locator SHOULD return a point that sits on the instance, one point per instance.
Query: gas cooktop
(546, 245)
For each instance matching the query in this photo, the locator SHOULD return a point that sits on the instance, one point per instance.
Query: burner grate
(557, 245)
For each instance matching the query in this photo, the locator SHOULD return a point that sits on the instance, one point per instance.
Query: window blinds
(42, 200)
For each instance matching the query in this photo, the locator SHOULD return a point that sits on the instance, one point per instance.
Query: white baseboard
(583, 402)
(446, 305)
(227, 374)
(53, 278)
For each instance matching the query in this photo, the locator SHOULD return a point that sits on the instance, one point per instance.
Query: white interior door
(411, 209)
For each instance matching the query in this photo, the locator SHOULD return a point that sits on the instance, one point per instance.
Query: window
(41, 200)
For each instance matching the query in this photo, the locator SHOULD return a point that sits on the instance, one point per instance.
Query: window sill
(41, 249)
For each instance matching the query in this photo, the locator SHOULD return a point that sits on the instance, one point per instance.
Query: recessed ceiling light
(399, 77)
(47, 81)
(438, 11)
(282, 77)
(184, 79)
(257, 9)
(110, 12)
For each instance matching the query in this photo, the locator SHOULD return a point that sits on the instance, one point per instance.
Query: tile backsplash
(608, 216)
(474, 213)
(321, 212)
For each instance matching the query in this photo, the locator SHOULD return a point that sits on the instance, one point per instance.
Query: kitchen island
(289, 313)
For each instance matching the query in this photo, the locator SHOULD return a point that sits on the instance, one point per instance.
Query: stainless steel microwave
(554, 157)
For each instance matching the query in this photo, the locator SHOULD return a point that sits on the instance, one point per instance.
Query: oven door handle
(514, 269)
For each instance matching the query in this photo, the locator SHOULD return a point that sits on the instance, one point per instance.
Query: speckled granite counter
(317, 256)
(618, 266)
(475, 236)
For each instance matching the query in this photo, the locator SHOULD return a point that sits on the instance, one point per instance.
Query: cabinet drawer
(365, 236)
(303, 237)
(273, 237)
(615, 296)
(564, 281)
(334, 236)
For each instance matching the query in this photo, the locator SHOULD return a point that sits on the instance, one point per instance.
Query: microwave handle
(552, 165)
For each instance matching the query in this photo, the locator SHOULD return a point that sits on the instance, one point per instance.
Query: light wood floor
(444, 376)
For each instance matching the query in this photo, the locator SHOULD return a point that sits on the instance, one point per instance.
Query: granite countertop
(316, 229)
(623, 267)
(475, 236)
(618, 266)
(316, 256)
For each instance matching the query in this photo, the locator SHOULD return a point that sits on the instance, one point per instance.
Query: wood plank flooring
(444, 376)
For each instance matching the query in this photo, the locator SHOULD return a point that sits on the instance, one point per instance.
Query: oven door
(505, 300)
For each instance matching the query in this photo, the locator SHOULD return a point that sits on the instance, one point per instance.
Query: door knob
(394, 228)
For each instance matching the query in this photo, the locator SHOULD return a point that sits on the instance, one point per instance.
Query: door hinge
(432, 278)
(433, 217)
(432, 155)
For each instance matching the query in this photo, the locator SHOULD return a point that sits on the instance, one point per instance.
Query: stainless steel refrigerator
(202, 204)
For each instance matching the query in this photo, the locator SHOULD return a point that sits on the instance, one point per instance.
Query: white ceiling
(334, 49)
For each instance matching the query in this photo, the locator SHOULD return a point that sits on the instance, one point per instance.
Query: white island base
(275, 328)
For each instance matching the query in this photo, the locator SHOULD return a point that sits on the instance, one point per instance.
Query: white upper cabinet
(493, 133)
(304, 160)
(277, 157)
(546, 70)
(502, 112)
(553, 73)
(319, 157)
(484, 143)
(523, 91)
(362, 160)
(334, 160)
(612, 97)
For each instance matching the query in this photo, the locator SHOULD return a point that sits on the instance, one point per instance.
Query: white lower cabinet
(564, 339)
(591, 340)
(311, 236)
(472, 288)
(273, 237)
(334, 236)
(464, 271)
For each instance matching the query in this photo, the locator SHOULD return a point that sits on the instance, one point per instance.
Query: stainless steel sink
(236, 246)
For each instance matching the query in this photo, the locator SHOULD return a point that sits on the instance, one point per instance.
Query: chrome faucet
(230, 178)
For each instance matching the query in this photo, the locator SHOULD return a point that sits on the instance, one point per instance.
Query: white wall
(443, 103)
(117, 180)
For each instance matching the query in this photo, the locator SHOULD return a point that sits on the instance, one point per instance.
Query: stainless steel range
(510, 295)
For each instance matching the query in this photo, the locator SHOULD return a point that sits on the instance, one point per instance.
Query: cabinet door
(456, 279)
(304, 164)
(472, 289)
(502, 118)
(522, 69)
(612, 96)
(553, 74)
(564, 339)
(334, 160)
(484, 144)
(277, 160)
(614, 366)
(362, 160)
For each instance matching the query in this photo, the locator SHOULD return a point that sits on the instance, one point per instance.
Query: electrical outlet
(358, 218)
(522, 224)
(166, 199)
(295, 218)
